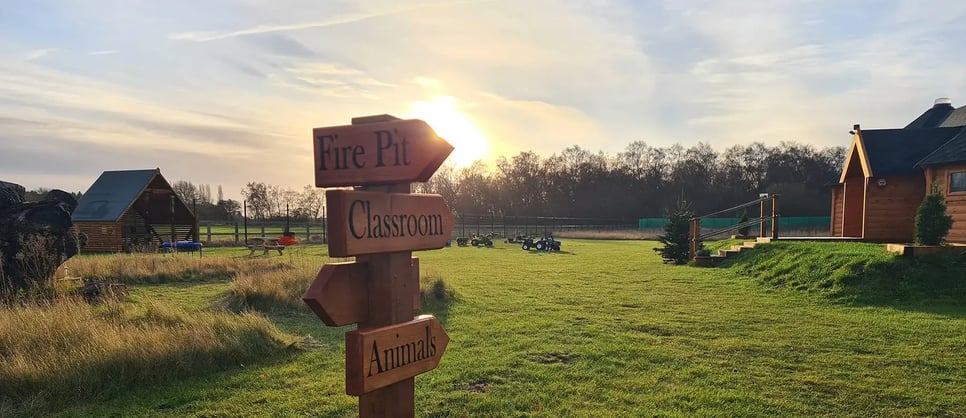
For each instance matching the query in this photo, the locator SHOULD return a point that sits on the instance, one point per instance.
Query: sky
(225, 92)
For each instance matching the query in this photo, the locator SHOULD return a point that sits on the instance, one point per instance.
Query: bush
(677, 234)
(932, 222)
(704, 252)
(744, 231)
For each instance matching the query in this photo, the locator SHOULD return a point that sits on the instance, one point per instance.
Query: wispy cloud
(335, 21)
(105, 52)
(40, 53)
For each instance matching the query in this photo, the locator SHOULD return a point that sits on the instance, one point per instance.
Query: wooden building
(133, 210)
(887, 173)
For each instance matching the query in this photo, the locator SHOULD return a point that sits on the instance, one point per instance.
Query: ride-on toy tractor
(546, 243)
(484, 240)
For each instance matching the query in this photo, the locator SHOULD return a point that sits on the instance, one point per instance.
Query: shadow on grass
(860, 274)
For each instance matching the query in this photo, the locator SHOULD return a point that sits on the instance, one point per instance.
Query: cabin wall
(101, 236)
(955, 202)
(838, 207)
(890, 210)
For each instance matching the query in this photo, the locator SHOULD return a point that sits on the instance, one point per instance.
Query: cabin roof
(956, 118)
(953, 151)
(112, 194)
(900, 151)
(932, 117)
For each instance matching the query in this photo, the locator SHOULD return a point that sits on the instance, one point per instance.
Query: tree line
(643, 181)
(261, 201)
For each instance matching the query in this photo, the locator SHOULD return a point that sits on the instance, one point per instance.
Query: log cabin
(132, 210)
(887, 173)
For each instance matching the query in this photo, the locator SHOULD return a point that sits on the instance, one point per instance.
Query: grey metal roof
(111, 194)
(953, 151)
(957, 118)
(898, 151)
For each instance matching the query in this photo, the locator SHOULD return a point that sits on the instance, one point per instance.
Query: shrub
(704, 252)
(932, 222)
(677, 234)
(744, 231)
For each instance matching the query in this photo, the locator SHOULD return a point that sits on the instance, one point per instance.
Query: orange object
(286, 240)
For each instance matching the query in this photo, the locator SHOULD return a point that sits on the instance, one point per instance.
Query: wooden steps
(723, 255)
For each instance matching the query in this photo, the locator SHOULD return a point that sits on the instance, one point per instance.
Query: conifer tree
(932, 222)
(676, 234)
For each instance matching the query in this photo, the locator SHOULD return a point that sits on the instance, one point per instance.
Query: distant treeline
(643, 181)
(640, 182)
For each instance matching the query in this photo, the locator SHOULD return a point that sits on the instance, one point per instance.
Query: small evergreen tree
(744, 231)
(676, 234)
(932, 222)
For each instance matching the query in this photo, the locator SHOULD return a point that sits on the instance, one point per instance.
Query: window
(957, 182)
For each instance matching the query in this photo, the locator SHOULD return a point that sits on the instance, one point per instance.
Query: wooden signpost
(381, 224)
(373, 222)
(383, 356)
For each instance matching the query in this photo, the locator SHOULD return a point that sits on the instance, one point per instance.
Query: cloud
(39, 53)
(335, 21)
(105, 52)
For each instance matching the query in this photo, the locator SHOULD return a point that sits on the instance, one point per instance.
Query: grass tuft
(66, 352)
(154, 268)
(275, 290)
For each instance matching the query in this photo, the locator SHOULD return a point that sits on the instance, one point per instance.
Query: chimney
(943, 101)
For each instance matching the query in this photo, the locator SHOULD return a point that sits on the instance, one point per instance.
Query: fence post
(236, 233)
(308, 232)
(761, 226)
(774, 217)
(263, 231)
(208, 232)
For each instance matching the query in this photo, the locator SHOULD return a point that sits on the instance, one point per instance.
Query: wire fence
(501, 226)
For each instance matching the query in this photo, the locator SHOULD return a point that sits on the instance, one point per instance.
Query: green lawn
(604, 329)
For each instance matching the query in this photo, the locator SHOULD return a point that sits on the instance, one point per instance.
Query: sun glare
(452, 125)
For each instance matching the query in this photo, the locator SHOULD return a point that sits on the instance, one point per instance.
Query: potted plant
(703, 258)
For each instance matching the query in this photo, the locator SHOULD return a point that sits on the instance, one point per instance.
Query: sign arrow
(393, 151)
(339, 296)
(363, 222)
(379, 357)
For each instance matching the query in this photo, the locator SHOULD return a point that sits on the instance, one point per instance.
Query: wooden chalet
(888, 172)
(133, 210)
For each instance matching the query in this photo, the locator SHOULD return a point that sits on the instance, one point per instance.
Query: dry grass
(56, 354)
(641, 234)
(281, 288)
(154, 268)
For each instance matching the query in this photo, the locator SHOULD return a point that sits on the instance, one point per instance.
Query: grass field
(605, 329)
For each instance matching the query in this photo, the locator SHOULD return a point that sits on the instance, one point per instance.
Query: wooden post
(693, 239)
(263, 230)
(390, 294)
(208, 233)
(308, 232)
(384, 309)
(761, 226)
(236, 233)
(774, 216)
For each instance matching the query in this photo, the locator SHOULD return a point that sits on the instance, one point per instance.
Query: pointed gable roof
(899, 151)
(112, 194)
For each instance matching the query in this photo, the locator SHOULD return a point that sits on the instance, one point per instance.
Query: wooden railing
(696, 237)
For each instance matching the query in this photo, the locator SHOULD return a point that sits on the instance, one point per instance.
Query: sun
(455, 127)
